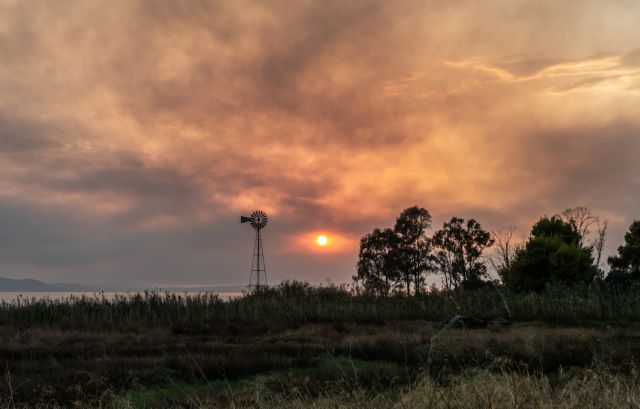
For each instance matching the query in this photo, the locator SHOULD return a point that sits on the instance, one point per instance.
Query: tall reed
(295, 302)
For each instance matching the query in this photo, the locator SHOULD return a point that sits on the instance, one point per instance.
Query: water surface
(11, 296)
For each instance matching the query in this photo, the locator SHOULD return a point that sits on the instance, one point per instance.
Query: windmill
(258, 220)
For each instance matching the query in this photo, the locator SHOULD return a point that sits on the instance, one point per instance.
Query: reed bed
(295, 302)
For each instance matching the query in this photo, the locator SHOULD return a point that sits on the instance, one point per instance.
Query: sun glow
(324, 242)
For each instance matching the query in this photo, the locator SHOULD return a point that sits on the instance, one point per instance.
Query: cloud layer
(133, 134)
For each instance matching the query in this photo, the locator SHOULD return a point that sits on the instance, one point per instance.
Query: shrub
(552, 255)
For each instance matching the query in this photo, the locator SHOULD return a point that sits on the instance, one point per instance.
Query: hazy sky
(133, 134)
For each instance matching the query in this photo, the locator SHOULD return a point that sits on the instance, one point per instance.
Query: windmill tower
(258, 221)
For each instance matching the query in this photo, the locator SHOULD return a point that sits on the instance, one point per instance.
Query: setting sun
(322, 240)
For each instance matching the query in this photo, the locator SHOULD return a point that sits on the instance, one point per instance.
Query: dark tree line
(400, 258)
(565, 248)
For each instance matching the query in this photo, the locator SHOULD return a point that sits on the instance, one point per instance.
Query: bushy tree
(556, 227)
(396, 258)
(413, 246)
(552, 254)
(458, 249)
(376, 269)
(626, 264)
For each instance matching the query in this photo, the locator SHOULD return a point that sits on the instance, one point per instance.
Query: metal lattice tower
(258, 221)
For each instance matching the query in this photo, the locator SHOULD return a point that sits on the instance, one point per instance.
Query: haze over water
(14, 296)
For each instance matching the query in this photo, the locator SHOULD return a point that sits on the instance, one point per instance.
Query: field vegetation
(296, 345)
(300, 303)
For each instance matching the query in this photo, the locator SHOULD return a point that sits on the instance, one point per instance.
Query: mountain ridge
(32, 285)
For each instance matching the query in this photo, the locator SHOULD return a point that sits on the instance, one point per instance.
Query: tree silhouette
(582, 220)
(413, 246)
(626, 265)
(552, 254)
(504, 249)
(376, 268)
(598, 246)
(554, 226)
(458, 250)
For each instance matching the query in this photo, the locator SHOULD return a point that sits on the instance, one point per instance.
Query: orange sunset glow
(134, 134)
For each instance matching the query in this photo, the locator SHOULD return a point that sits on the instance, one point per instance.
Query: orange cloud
(170, 120)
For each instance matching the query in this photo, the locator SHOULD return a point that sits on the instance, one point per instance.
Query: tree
(394, 259)
(554, 226)
(504, 249)
(552, 254)
(582, 220)
(412, 246)
(458, 249)
(376, 268)
(626, 264)
(598, 246)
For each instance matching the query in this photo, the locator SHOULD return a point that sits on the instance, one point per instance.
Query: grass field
(298, 346)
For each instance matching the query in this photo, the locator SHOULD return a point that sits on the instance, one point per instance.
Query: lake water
(9, 296)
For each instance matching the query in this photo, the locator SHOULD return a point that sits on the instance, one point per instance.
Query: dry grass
(306, 347)
(588, 389)
(309, 364)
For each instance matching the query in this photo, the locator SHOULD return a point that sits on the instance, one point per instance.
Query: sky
(133, 134)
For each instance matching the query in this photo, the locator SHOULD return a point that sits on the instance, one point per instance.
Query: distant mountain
(27, 285)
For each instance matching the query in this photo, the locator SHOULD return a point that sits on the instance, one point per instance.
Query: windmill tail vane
(258, 220)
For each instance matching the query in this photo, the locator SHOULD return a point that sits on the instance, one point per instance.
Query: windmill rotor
(258, 219)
